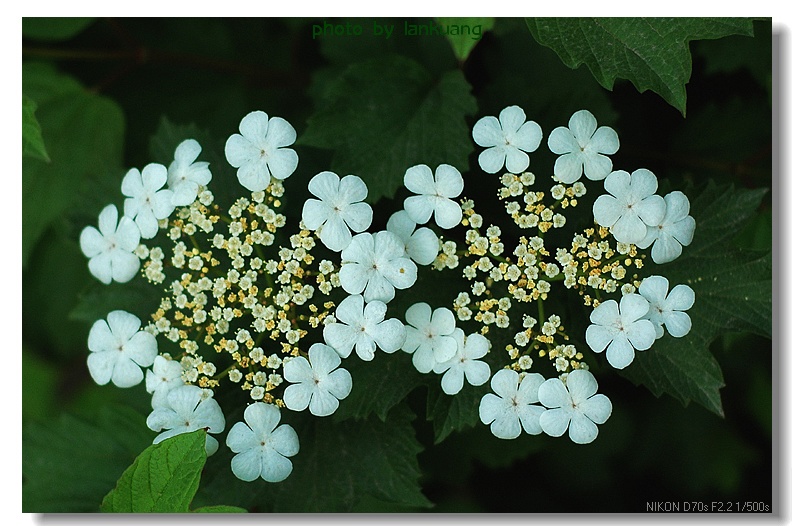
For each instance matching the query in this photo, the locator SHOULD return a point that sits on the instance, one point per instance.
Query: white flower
(512, 404)
(422, 245)
(317, 385)
(261, 445)
(632, 205)
(574, 406)
(186, 409)
(363, 329)
(667, 310)
(620, 329)
(161, 378)
(429, 336)
(435, 194)
(260, 151)
(506, 139)
(464, 364)
(119, 350)
(145, 202)
(111, 248)
(581, 148)
(338, 208)
(375, 266)
(185, 176)
(674, 230)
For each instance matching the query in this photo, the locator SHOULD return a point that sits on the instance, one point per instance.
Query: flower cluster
(271, 311)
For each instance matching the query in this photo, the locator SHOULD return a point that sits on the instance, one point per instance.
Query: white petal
(124, 266)
(581, 385)
(527, 137)
(568, 168)
(322, 403)
(448, 181)
(529, 418)
(389, 335)
(341, 337)
(607, 210)
(101, 365)
(581, 429)
(419, 208)
(561, 141)
(629, 228)
(507, 426)
(126, 373)
(491, 160)
(424, 359)
(358, 216)
(597, 167)
(598, 408)
(92, 243)
(448, 213)
(605, 140)
(142, 348)
(240, 437)
(678, 324)
(254, 175)
(282, 162)
(476, 346)
(298, 370)
(297, 397)
(491, 408)
(419, 180)
(488, 132)
(651, 210)
(339, 383)
(555, 422)
(516, 160)
(335, 233)
(262, 418)
(618, 184)
(681, 297)
(280, 133)
(452, 381)
(552, 393)
(654, 289)
(598, 337)
(620, 353)
(401, 225)
(324, 185)
(582, 124)
(284, 440)
(101, 267)
(247, 465)
(187, 151)
(274, 466)
(353, 277)
(323, 359)
(632, 307)
(239, 151)
(665, 249)
(254, 127)
(511, 118)
(315, 213)
(504, 383)
(423, 246)
(477, 372)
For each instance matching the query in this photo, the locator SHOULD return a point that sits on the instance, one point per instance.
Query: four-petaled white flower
(186, 409)
(338, 208)
(261, 446)
(436, 194)
(674, 230)
(429, 336)
(185, 176)
(146, 203)
(317, 383)
(666, 308)
(574, 406)
(375, 265)
(583, 148)
(506, 139)
(464, 365)
(163, 376)
(260, 151)
(110, 248)
(620, 329)
(632, 206)
(119, 350)
(512, 408)
(363, 329)
(422, 245)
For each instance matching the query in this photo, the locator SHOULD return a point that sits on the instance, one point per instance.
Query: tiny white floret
(673, 232)
(512, 408)
(429, 336)
(186, 409)
(631, 205)
(618, 327)
(119, 349)
(146, 201)
(260, 151)
(185, 175)
(507, 139)
(111, 247)
(583, 148)
(465, 364)
(667, 308)
(363, 328)
(338, 209)
(262, 447)
(317, 382)
(573, 406)
(436, 194)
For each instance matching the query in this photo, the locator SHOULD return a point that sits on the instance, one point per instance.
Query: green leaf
(49, 28)
(84, 133)
(467, 34)
(733, 290)
(378, 389)
(383, 116)
(453, 413)
(339, 464)
(69, 464)
(32, 142)
(163, 479)
(652, 53)
(219, 509)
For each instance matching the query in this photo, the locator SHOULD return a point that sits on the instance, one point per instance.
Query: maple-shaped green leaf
(163, 478)
(733, 290)
(652, 53)
(453, 413)
(385, 115)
